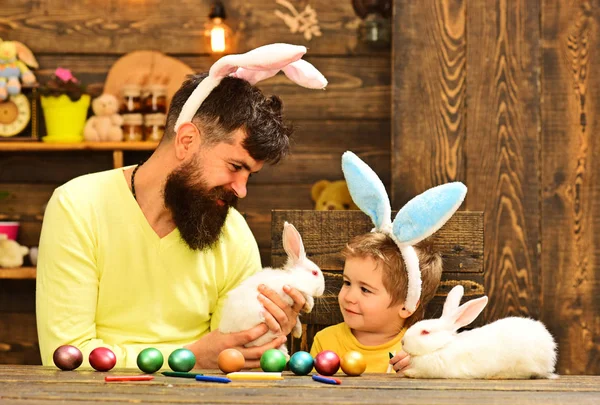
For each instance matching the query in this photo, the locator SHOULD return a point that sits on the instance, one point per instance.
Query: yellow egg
(230, 360)
(353, 363)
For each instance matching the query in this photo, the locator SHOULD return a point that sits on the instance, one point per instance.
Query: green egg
(150, 360)
(182, 360)
(273, 360)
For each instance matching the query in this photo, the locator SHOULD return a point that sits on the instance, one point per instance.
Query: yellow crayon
(256, 375)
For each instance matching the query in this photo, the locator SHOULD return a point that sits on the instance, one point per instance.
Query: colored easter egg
(182, 360)
(67, 357)
(353, 363)
(301, 363)
(102, 359)
(273, 360)
(230, 360)
(327, 362)
(150, 360)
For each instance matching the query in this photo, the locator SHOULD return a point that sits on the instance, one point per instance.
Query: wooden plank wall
(88, 36)
(503, 96)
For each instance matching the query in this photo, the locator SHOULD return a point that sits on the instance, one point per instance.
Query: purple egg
(67, 357)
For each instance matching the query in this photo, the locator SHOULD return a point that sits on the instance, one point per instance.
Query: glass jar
(133, 127)
(132, 99)
(156, 100)
(154, 127)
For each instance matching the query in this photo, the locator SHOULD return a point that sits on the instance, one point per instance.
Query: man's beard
(194, 207)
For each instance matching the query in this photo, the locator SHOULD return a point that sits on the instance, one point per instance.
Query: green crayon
(180, 374)
(391, 355)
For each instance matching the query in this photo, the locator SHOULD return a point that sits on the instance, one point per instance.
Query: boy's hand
(401, 361)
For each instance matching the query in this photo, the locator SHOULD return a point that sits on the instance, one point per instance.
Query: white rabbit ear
(453, 300)
(254, 76)
(306, 75)
(467, 312)
(292, 243)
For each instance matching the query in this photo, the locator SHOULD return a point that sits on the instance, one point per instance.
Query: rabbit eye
(315, 273)
(424, 332)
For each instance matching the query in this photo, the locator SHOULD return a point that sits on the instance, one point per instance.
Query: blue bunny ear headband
(418, 219)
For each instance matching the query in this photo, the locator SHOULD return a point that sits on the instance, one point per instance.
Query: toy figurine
(15, 60)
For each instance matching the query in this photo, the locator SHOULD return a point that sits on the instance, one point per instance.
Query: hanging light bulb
(217, 31)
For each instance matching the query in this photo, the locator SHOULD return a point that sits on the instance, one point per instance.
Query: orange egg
(353, 363)
(231, 360)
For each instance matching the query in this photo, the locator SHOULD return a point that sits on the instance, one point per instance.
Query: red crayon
(110, 378)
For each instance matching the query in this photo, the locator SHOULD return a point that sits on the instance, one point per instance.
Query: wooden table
(46, 385)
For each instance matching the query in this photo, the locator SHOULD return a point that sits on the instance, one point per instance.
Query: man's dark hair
(232, 105)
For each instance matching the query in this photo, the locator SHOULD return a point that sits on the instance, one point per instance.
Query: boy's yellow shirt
(339, 338)
(105, 278)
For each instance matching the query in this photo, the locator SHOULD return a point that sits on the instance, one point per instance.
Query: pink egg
(327, 362)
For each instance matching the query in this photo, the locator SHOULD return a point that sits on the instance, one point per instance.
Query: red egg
(102, 359)
(67, 357)
(327, 362)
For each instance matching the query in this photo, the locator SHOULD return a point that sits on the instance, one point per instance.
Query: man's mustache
(220, 193)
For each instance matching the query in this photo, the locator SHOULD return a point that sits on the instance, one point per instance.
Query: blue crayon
(334, 381)
(208, 378)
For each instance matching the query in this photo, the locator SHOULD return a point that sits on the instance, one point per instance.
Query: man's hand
(279, 316)
(401, 362)
(208, 347)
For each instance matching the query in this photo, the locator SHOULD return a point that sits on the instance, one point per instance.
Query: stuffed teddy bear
(11, 253)
(332, 195)
(106, 123)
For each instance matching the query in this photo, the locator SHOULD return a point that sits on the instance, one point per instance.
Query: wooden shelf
(21, 217)
(116, 148)
(34, 146)
(19, 273)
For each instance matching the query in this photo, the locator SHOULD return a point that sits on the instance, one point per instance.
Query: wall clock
(18, 116)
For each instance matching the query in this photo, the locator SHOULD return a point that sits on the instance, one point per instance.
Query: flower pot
(10, 229)
(64, 118)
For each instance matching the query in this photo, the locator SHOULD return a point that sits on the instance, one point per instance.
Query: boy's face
(364, 301)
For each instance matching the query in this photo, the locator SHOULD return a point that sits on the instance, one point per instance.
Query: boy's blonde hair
(384, 251)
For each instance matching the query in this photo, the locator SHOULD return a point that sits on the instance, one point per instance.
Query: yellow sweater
(339, 338)
(105, 278)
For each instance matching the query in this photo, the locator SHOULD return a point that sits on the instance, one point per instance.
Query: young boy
(372, 300)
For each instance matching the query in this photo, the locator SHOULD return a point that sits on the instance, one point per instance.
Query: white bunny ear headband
(254, 66)
(417, 220)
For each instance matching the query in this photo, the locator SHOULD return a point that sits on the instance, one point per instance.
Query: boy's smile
(364, 301)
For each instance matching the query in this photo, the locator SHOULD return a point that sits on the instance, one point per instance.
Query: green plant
(3, 194)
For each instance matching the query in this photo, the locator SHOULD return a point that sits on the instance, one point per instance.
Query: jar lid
(131, 90)
(158, 89)
(155, 119)
(133, 119)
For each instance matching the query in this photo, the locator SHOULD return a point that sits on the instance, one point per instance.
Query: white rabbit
(508, 348)
(242, 309)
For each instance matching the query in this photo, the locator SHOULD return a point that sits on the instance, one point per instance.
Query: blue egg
(301, 363)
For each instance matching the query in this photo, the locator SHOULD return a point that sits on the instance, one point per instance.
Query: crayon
(180, 374)
(255, 375)
(390, 367)
(110, 378)
(209, 378)
(326, 380)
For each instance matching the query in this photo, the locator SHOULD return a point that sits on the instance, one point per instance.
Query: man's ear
(405, 313)
(187, 140)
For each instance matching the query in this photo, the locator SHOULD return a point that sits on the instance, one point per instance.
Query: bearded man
(144, 256)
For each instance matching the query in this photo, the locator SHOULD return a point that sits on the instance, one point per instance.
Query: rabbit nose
(331, 207)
